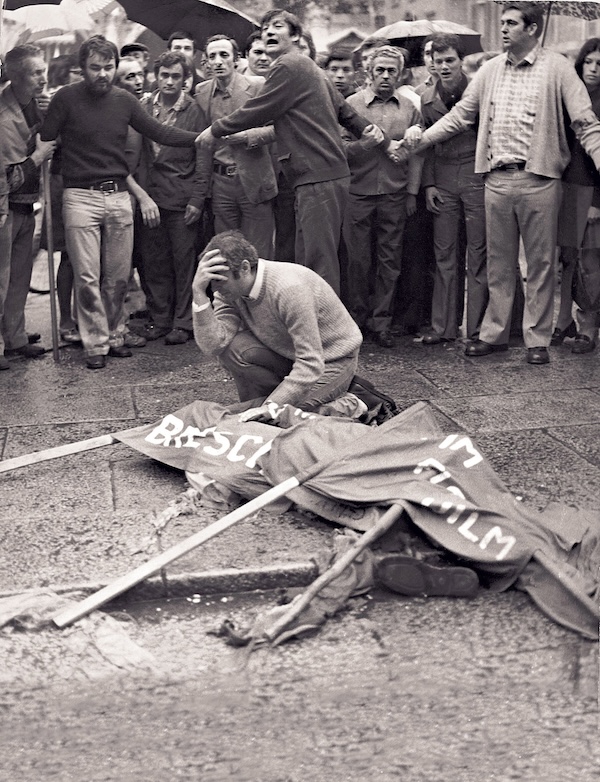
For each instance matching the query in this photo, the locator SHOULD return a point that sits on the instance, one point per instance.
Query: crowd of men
(328, 167)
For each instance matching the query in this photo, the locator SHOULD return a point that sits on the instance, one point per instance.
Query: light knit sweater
(296, 314)
(560, 89)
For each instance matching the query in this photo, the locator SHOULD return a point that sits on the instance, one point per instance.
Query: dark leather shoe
(415, 577)
(29, 351)
(537, 356)
(95, 362)
(558, 335)
(481, 348)
(33, 338)
(384, 339)
(432, 339)
(583, 344)
(120, 352)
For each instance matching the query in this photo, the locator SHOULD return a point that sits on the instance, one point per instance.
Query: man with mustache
(92, 119)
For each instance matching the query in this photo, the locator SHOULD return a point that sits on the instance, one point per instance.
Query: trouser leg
(472, 194)
(256, 369)
(159, 273)
(117, 247)
(5, 243)
(319, 213)
(445, 283)
(358, 226)
(21, 265)
(390, 220)
(502, 257)
(183, 239)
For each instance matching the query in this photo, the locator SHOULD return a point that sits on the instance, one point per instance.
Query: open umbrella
(411, 36)
(201, 18)
(44, 20)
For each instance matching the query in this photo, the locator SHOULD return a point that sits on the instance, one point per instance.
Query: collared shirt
(514, 106)
(165, 114)
(220, 106)
(373, 173)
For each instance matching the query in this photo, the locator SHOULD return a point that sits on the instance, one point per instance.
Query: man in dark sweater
(92, 119)
(305, 109)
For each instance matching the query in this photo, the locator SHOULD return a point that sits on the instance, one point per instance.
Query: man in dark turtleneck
(450, 181)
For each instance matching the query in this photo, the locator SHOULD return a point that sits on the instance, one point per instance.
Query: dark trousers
(232, 210)
(285, 221)
(373, 233)
(169, 267)
(320, 211)
(258, 370)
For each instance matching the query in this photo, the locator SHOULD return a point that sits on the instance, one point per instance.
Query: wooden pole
(73, 613)
(50, 246)
(302, 601)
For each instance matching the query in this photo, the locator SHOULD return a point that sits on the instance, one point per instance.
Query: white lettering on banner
(454, 511)
(169, 434)
(464, 442)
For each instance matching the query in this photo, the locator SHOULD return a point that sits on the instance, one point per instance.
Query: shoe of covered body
(419, 578)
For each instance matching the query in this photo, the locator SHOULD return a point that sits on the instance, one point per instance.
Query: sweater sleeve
(276, 96)
(215, 326)
(169, 135)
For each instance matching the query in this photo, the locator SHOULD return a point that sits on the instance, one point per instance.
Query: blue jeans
(99, 238)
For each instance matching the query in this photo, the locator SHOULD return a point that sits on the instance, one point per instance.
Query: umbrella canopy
(12, 5)
(42, 21)
(411, 36)
(201, 18)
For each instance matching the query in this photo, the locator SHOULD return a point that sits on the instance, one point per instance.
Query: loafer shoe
(434, 339)
(481, 348)
(418, 578)
(4, 364)
(583, 344)
(152, 332)
(177, 337)
(120, 352)
(384, 339)
(559, 335)
(538, 356)
(70, 335)
(134, 340)
(29, 351)
(95, 362)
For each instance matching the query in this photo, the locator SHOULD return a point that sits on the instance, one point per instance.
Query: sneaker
(70, 335)
(134, 340)
(417, 578)
(177, 337)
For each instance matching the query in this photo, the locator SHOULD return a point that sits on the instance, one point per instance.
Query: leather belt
(107, 186)
(219, 168)
(511, 166)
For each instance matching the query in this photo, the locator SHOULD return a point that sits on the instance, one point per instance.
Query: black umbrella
(411, 36)
(12, 5)
(201, 18)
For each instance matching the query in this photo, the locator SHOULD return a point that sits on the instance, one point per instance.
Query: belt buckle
(108, 186)
(230, 170)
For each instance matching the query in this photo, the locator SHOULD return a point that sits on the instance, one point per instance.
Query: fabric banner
(451, 492)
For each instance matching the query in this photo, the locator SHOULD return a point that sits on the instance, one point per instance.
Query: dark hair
(59, 68)
(291, 20)
(591, 45)
(255, 36)
(235, 249)
(224, 37)
(312, 49)
(169, 59)
(441, 42)
(98, 44)
(337, 54)
(178, 35)
(14, 59)
(131, 48)
(532, 13)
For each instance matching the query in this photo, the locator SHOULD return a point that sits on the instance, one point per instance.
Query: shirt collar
(529, 58)
(260, 273)
(177, 106)
(370, 96)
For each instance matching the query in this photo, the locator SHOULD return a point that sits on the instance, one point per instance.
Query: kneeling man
(279, 328)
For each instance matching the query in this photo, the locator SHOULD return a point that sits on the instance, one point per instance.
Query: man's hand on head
(210, 267)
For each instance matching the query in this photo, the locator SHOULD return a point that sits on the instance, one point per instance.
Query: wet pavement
(392, 689)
